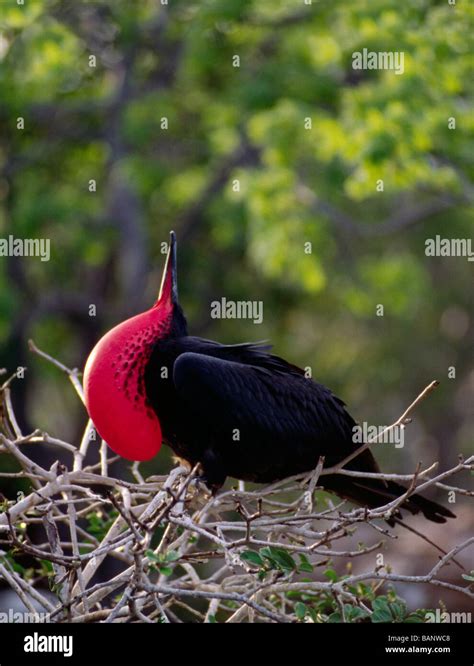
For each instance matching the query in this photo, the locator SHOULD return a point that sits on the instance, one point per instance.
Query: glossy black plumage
(242, 412)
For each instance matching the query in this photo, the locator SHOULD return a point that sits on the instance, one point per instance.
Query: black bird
(238, 410)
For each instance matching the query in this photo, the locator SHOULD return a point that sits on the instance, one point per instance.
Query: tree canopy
(290, 178)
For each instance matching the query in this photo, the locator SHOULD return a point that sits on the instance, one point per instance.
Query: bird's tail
(374, 493)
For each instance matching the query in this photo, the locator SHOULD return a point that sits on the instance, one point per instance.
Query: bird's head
(114, 384)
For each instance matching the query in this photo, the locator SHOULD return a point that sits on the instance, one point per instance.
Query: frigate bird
(236, 409)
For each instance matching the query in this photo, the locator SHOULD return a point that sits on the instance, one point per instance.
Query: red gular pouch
(114, 384)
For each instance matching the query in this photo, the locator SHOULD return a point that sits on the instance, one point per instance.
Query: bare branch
(280, 520)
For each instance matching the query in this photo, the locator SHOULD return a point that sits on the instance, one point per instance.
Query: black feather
(242, 412)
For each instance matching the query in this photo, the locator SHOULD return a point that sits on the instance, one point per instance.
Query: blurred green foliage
(165, 125)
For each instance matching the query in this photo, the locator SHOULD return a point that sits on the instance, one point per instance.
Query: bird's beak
(169, 280)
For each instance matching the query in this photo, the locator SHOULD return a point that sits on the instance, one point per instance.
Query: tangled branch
(241, 555)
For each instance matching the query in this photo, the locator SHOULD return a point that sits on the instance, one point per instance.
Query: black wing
(260, 421)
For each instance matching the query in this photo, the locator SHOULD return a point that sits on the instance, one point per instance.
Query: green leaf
(172, 556)
(363, 591)
(380, 603)
(305, 564)
(166, 571)
(300, 610)
(354, 613)
(279, 557)
(152, 556)
(251, 557)
(335, 617)
(9, 559)
(312, 613)
(381, 610)
(380, 616)
(332, 575)
(398, 609)
(47, 567)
